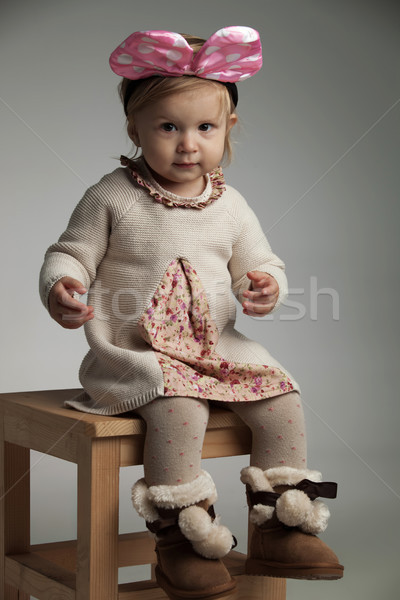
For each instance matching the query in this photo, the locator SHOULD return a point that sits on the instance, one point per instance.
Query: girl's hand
(262, 296)
(66, 310)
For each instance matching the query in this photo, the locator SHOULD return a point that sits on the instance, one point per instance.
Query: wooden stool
(87, 568)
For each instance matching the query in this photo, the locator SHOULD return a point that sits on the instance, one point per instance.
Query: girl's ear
(233, 119)
(135, 138)
(133, 134)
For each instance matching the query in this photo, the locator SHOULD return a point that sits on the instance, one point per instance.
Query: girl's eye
(168, 127)
(205, 127)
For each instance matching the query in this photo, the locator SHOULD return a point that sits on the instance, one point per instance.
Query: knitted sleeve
(252, 252)
(81, 247)
(84, 243)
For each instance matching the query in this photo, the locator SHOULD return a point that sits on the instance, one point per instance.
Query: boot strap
(326, 489)
(170, 519)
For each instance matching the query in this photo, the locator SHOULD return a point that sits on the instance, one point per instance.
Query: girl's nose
(187, 142)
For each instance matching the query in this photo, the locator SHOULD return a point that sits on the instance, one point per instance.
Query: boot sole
(319, 571)
(215, 593)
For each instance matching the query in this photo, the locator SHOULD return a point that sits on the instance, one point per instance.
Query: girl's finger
(267, 295)
(65, 310)
(258, 308)
(259, 295)
(258, 276)
(69, 322)
(67, 300)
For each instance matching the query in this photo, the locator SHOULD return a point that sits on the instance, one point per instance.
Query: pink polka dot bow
(229, 55)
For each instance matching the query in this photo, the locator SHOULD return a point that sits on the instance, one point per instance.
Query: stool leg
(98, 506)
(260, 588)
(14, 510)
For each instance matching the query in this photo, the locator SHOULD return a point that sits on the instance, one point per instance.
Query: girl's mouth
(185, 165)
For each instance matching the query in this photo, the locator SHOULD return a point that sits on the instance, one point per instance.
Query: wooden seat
(87, 568)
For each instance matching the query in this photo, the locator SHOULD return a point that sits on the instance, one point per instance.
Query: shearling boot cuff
(296, 506)
(207, 536)
(146, 499)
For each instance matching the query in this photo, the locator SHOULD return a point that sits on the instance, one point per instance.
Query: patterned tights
(176, 428)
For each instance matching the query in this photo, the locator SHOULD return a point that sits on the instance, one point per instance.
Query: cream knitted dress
(161, 271)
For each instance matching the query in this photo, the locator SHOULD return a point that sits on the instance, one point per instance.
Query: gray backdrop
(317, 156)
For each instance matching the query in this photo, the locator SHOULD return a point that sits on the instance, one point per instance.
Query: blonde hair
(152, 89)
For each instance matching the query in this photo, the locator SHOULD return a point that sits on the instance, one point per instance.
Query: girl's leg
(278, 428)
(176, 497)
(286, 519)
(174, 439)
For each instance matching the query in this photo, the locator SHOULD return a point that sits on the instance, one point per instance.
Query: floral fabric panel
(178, 326)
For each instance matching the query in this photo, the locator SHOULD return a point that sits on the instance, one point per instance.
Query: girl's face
(182, 138)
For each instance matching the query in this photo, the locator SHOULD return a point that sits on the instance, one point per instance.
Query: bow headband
(229, 55)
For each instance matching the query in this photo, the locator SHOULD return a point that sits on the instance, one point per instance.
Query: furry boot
(286, 519)
(189, 540)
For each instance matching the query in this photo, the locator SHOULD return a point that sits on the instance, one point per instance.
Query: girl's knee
(175, 407)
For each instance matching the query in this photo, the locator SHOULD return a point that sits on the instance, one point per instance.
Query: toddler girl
(161, 243)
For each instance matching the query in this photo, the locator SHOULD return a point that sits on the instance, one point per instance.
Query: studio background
(317, 157)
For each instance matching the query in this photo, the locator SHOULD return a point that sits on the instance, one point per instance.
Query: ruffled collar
(215, 186)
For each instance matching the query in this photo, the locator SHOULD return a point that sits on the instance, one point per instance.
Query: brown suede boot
(189, 541)
(286, 519)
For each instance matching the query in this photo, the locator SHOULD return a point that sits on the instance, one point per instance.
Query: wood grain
(87, 568)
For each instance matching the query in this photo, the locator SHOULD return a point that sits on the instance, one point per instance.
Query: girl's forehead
(201, 100)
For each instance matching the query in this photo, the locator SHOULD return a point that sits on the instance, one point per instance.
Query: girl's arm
(70, 264)
(258, 275)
